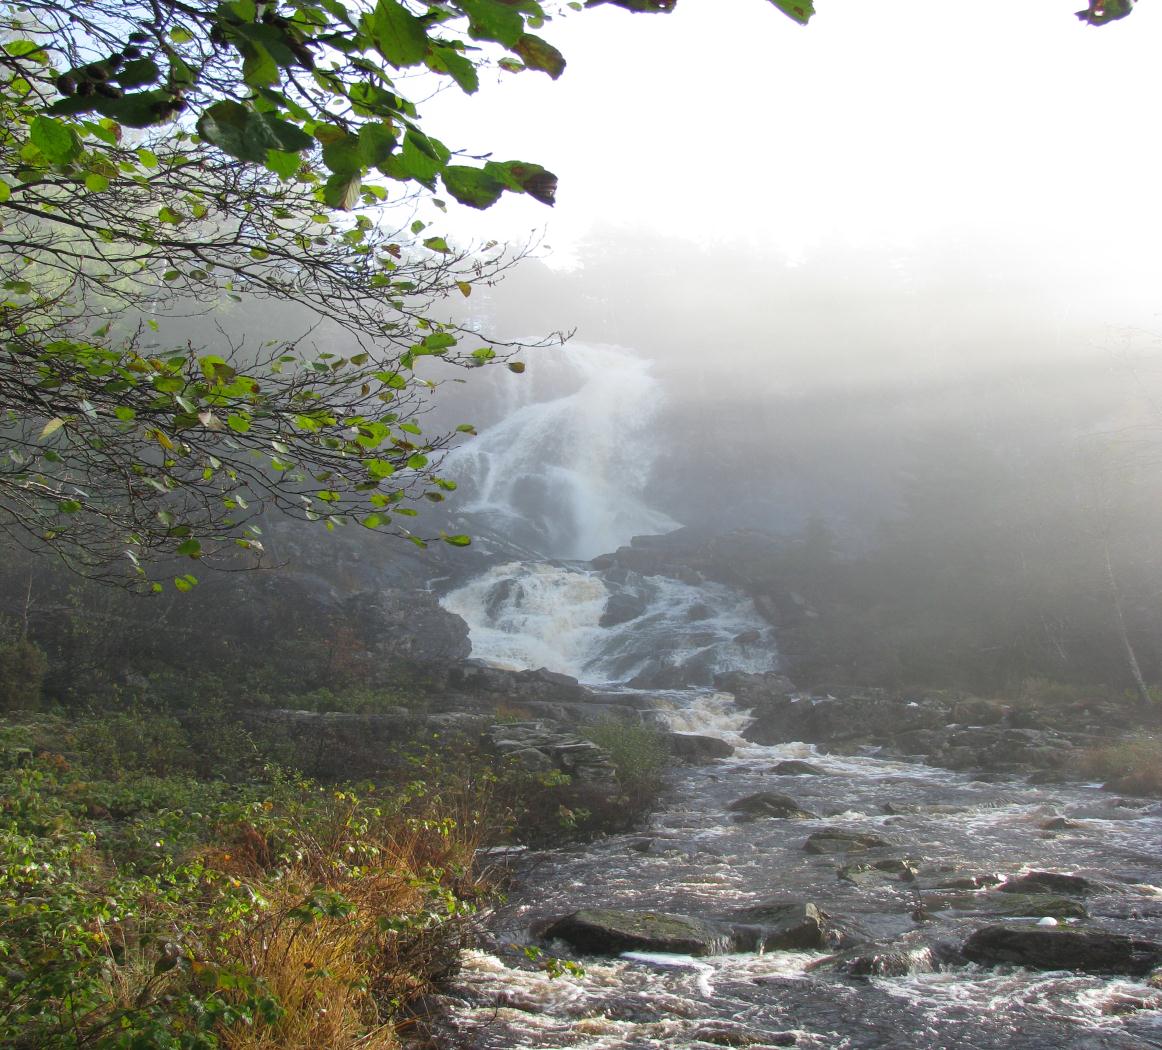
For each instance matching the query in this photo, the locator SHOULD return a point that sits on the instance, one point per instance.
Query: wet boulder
(967, 881)
(789, 926)
(793, 767)
(1058, 948)
(891, 869)
(833, 840)
(622, 607)
(697, 749)
(1011, 905)
(607, 931)
(1052, 882)
(769, 804)
(882, 962)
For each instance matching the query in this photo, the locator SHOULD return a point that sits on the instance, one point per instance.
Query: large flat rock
(1054, 948)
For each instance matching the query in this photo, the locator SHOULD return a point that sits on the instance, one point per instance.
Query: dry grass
(1132, 765)
(358, 925)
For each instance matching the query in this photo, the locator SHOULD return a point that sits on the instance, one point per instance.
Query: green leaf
(5, 191)
(524, 177)
(400, 37)
(472, 186)
(284, 164)
(456, 541)
(376, 143)
(190, 548)
(138, 73)
(801, 10)
(438, 341)
(462, 70)
(540, 54)
(493, 20)
(139, 110)
(342, 191)
(51, 427)
(55, 139)
(185, 583)
(437, 244)
(342, 155)
(69, 506)
(147, 158)
(248, 135)
(1100, 12)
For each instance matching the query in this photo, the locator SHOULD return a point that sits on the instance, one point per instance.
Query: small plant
(552, 966)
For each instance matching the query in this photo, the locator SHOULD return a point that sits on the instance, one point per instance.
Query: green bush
(640, 755)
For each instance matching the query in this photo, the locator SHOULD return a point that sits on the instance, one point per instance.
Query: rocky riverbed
(788, 895)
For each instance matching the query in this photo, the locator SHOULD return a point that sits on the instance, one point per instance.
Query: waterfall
(654, 631)
(567, 476)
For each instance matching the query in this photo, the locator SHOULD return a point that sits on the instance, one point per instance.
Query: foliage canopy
(163, 157)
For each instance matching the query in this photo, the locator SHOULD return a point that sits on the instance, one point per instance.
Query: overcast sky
(1006, 142)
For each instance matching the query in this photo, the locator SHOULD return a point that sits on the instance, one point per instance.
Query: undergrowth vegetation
(163, 884)
(1132, 764)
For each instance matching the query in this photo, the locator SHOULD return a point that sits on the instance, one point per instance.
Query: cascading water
(566, 475)
(635, 629)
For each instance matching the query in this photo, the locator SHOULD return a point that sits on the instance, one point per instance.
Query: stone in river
(788, 926)
(769, 804)
(835, 841)
(1051, 882)
(607, 931)
(696, 748)
(793, 767)
(1058, 948)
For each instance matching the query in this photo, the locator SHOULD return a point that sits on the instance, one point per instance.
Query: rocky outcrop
(542, 747)
(1055, 948)
(764, 927)
(792, 767)
(869, 716)
(923, 724)
(891, 869)
(1011, 905)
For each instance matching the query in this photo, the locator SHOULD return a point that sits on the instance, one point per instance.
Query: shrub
(22, 670)
(640, 755)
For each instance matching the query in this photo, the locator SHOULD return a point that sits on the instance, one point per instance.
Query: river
(949, 838)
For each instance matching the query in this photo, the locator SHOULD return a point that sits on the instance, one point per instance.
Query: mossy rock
(1012, 905)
